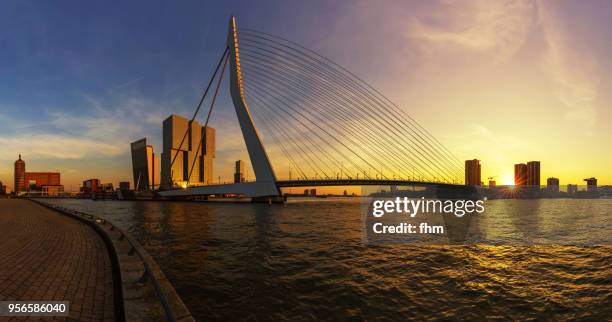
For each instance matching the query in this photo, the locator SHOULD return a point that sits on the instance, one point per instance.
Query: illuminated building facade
(34, 181)
(19, 184)
(189, 163)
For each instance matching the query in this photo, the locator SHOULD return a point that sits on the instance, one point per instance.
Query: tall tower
(533, 174)
(520, 174)
(472, 172)
(264, 174)
(20, 184)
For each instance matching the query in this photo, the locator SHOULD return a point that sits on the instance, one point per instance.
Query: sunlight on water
(307, 260)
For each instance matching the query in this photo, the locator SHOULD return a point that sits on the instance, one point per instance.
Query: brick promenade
(47, 256)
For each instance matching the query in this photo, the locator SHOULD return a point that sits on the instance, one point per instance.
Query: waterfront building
(572, 189)
(52, 191)
(124, 185)
(33, 181)
(91, 185)
(591, 184)
(313, 192)
(472, 172)
(552, 184)
(106, 187)
(492, 183)
(239, 172)
(19, 184)
(533, 174)
(37, 180)
(145, 166)
(520, 174)
(2, 188)
(189, 163)
(305, 192)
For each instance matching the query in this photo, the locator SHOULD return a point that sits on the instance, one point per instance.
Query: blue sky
(80, 80)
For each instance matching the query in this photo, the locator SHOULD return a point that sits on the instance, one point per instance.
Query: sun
(508, 180)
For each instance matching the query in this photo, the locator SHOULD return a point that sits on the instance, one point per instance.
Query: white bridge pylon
(265, 184)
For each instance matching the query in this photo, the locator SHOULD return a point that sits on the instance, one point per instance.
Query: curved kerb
(146, 293)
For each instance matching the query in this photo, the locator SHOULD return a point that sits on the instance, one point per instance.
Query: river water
(307, 260)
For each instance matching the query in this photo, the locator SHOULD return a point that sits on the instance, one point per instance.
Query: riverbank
(52, 253)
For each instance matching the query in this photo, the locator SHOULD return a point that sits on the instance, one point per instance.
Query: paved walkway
(47, 256)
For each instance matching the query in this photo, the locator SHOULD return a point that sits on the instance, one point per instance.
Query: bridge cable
(225, 53)
(354, 88)
(212, 105)
(332, 84)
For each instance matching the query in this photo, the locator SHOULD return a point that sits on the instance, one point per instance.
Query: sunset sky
(501, 81)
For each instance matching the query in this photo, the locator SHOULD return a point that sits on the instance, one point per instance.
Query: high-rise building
(239, 172)
(591, 184)
(145, 166)
(572, 189)
(207, 154)
(520, 174)
(20, 183)
(472, 172)
(313, 192)
(188, 152)
(533, 174)
(552, 184)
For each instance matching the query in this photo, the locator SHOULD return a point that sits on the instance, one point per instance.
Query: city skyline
(547, 109)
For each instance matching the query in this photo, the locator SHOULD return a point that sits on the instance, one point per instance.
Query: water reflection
(307, 261)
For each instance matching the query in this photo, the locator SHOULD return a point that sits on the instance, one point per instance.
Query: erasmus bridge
(328, 125)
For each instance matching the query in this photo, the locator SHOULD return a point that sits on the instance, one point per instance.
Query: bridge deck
(256, 189)
(360, 182)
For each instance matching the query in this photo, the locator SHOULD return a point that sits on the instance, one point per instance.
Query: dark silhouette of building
(520, 174)
(591, 184)
(552, 185)
(472, 172)
(124, 185)
(313, 192)
(572, 189)
(533, 174)
(239, 172)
